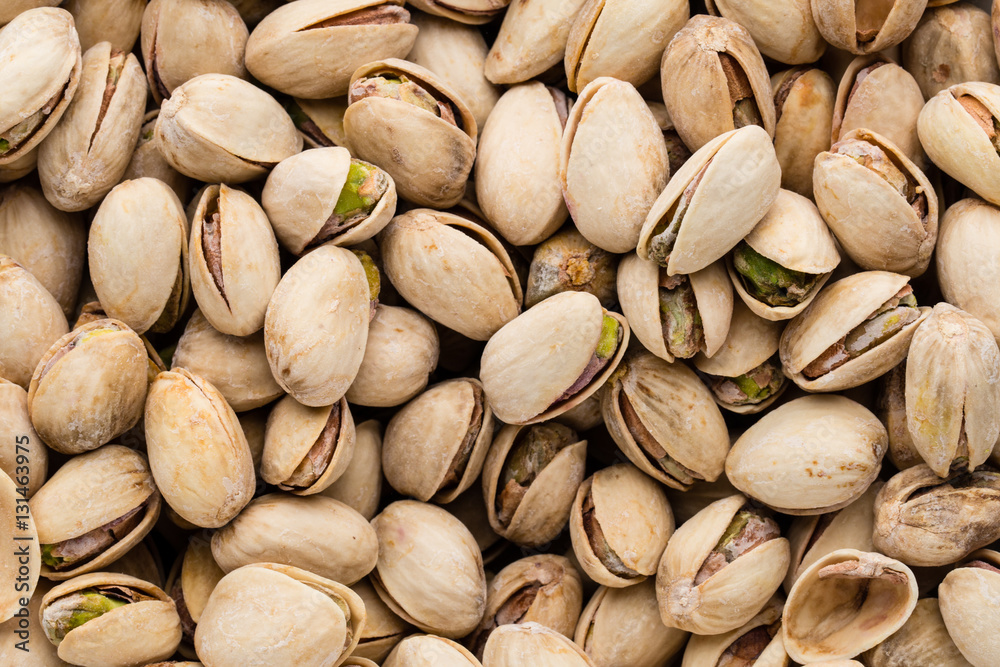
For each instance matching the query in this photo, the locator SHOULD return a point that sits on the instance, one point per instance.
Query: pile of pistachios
(499, 333)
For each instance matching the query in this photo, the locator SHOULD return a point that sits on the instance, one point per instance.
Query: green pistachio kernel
(77, 610)
(769, 281)
(608, 342)
(371, 273)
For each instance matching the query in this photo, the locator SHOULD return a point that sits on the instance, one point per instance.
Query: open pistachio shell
(532, 39)
(383, 628)
(966, 262)
(803, 102)
(968, 616)
(924, 640)
(21, 440)
(21, 562)
(758, 640)
(869, 595)
(869, 27)
(360, 485)
(531, 643)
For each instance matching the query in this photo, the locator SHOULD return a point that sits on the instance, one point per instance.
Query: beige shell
(741, 180)
(967, 612)
(967, 264)
(90, 387)
(383, 629)
(517, 166)
(837, 310)
(545, 507)
(428, 158)
(140, 563)
(21, 440)
(784, 31)
(133, 634)
(41, 60)
(20, 167)
(709, 649)
(138, 255)
(30, 322)
(425, 441)
(532, 39)
(360, 485)
(685, 504)
(677, 410)
(871, 600)
(328, 118)
(15, 7)
(197, 574)
(115, 21)
(534, 644)
(535, 358)
(452, 270)
(470, 509)
(20, 565)
(41, 653)
(804, 100)
(317, 325)
(211, 127)
(430, 651)
(730, 597)
(272, 614)
(197, 451)
(924, 640)
(147, 160)
(430, 570)
(249, 265)
(636, 520)
(293, 430)
(472, 12)
(812, 455)
(317, 534)
(302, 191)
(884, 24)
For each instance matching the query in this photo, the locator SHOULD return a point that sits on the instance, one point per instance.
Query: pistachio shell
(21, 440)
(429, 651)
(784, 31)
(42, 653)
(532, 39)
(966, 262)
(532, 643)
(709, 649)
(199, 574)
(874, 28)
(383, 629)
(360, 485)
(21, 562)
(947, 47)
(15, 7)
(115, 21)
(322, 121)
(803, 100)
(147, 160)
(968, 616)
(464, 11)
(752, 340)
(30, 322)
(922, 642)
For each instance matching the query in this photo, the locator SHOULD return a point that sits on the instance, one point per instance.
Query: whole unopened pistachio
(966, 262)
(784, 31)
(532, 39)
(866, 27)
(923, 641)
(948, 46)
(757, 642)
(17, 523)
(803, 102)
(30, 322)
(115, 21)
(965, 608)
(360, 485)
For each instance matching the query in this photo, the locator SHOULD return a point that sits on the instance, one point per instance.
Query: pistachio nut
(567, 262)
(111, 620)
(24, 554)
(952, 390)
(966, 262)
(430, 570)
(891, 409)
(923, 641)
(192, 580)
(430, 651)
(383, 628)
(138, 255)
(315, 354)
(927, 521)
(435, 445)
(621, 39)
(306, 449)
(854, 331)
(757, 642)
(898, 228)
(712, 202)
(318, 534)
(219, 128)
(613, 163)
(845, 603)
(320, 122)
(147, 160)
(532, 39)
(530, 479)
(803, 103)
(866, 27)
(86, 154)
(198, 454)
(619, 525)
(714, 81)
(360, 485)
(745, 374)
(811, 455)
(311, 621)
(115, 21)
(963, 120)
(965, 610)
(31, 320)
(41, 653)
(784, 31)
(41, 59)
(664, 419)
(404, 118)
(472, 12)
(552, 357)
(534, 644)
(15, 7)
(21, 442)
(544, 589)
(234, 261)
(48, 242)
(475, 287)
(520, 144)
(90, 387)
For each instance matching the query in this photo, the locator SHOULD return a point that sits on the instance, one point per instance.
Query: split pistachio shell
(317, 324)
(147, 160)
(383, 628)
(619, 525)
(30, 322)
(473, 286)
(430, 570)
(305, 448)
(41, 65)
(621, 39)
(90, 387)
(21, 440)
(803, 99)
(517, 166)
(303, 193)
(360, 486)
(137, 249)
(614, 628)
(967, 263)
(216, 127)
(87, 152)
(21, 562)
(965, 608)
(869, 28)
(531, 643)
(532, 39)
(526, 376)
(430, 651)
(428, 157)
(732, 594)
(434, 446)
(145, 629)
(197, 451)
(952, 389)
(811, 455)
(255, 617)
(784, 31)
(837, 311)
(234, 260)
(870, 595)
(471, 12)
(613, 164)
(115, 21)
(924, 640)
(712, 202)
(948, 46)
(761, 642)
(317, 534)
